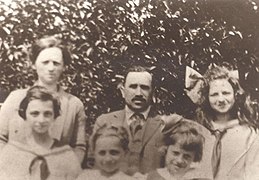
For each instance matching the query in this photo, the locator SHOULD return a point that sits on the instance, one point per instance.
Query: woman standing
(49, 57)
(225, 110)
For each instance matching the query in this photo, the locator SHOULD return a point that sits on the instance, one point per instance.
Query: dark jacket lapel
(119, 119)
(152, 125)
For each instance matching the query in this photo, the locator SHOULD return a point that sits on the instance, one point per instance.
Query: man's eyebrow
(144, 86)
(133, 84)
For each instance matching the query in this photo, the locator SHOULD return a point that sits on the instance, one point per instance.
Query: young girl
(38, 156)
(183, 147)
(110, 145)
(226, 111)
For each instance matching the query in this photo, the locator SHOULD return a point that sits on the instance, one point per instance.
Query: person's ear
(33, 66)
(65, 67)
(122, 89)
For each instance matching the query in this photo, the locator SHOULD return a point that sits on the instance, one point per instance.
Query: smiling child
(184, 146)
(110, 145)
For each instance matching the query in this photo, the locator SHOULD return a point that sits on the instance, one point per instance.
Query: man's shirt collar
(129, 113)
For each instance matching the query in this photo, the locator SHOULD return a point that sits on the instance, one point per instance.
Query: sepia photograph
(129, 90)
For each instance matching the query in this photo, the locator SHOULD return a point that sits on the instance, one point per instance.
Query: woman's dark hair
(242, 109)
(48, 42)
(188, 137)
(110, 130)
(41, 93)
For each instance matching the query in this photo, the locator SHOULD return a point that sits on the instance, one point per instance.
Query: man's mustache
(138, 99)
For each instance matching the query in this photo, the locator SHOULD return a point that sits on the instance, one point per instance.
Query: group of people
(42, 129)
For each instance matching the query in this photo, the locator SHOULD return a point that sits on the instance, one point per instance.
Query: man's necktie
(135, 125)
(216, 154)
(135, 145)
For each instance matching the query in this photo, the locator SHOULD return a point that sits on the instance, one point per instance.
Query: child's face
(40, 115)
(108, 154)
(221, 96)
(178, 160)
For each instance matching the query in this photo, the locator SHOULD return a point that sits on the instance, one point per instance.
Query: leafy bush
(108, 36)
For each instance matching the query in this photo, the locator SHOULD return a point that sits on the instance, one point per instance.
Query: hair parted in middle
(242, 109)
(41, 93)
(111, 131)
(49, 42)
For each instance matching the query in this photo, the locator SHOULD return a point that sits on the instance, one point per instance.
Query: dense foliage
(108, 36)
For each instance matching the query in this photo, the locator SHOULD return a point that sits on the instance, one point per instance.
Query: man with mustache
(141, 120)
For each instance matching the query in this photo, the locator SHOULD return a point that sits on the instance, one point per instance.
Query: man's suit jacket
(149, 157)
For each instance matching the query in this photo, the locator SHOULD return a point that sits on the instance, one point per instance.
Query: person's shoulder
(59, 147)
(69, 95)
(19, 92)
(199, 127)
(90, 174)
(140, 176)
(23, 90)
(122, 175)
(171, 117)
(7, 149)
(154, 175)
(169, 121)
(112, 118)
(247, 127)
(72, 98)
(111, 115)
(15, 149)
(12, 102)
(252, 133)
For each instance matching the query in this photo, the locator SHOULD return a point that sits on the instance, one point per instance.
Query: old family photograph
(129, 89)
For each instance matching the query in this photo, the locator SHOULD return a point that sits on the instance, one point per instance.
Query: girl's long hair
(242, 109)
